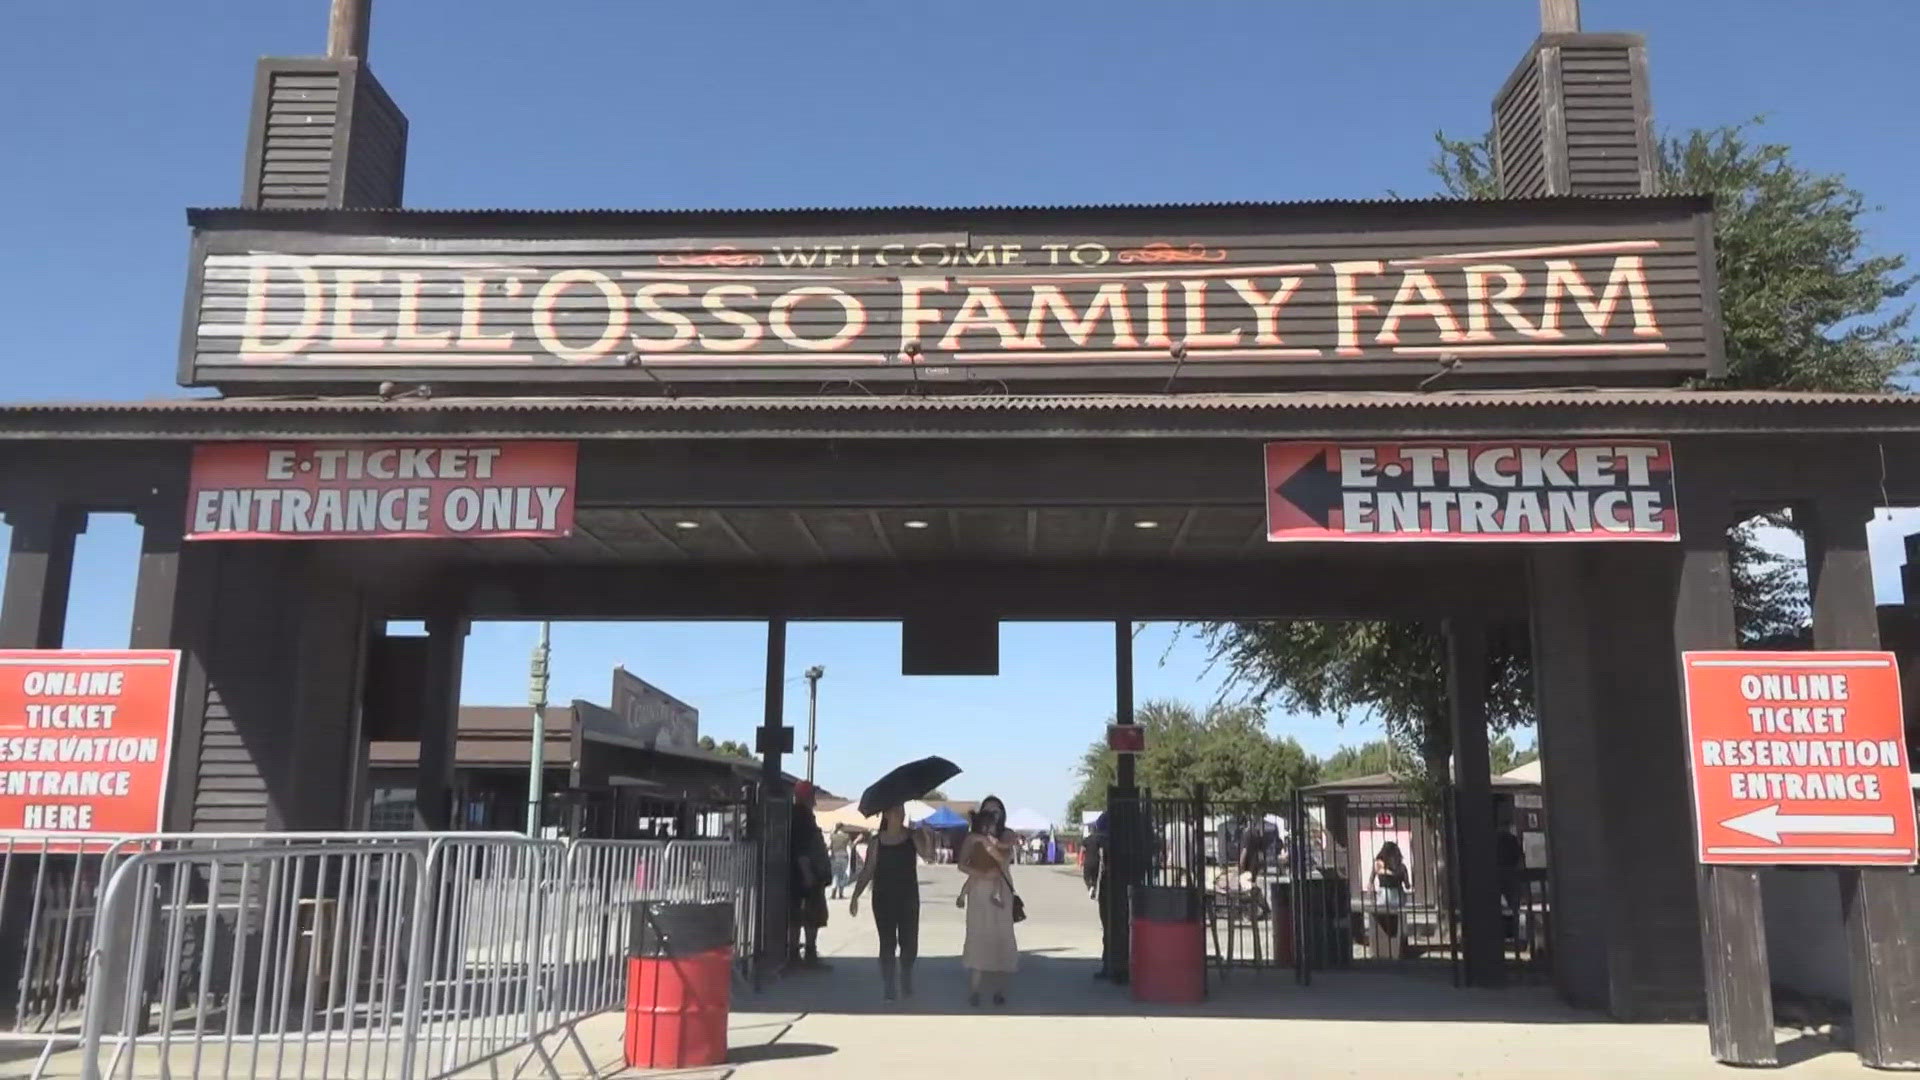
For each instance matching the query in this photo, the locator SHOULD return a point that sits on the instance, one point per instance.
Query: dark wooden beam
(1881, 904)
(1483, 932)
(439, 719)
(1733, 932)
(773, 720)
(1180, 533)
(1123, 696)
(733, 534)
(1335, 585)
(39, 576)
(1570, 733)
(594, 538)
(813, 542)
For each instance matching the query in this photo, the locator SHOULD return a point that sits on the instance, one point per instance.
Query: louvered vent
(325, 134)
(1575, 119)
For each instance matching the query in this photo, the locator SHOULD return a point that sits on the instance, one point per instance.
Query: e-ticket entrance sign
(466, 490)
(85, 740)
(1525, 490)
(1799, 758)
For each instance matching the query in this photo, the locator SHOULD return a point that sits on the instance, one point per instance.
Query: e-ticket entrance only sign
(1799, 758)
(85, 738)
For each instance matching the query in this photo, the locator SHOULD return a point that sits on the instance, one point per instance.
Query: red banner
(1617, 489)
(344, 491)
(1799, 758)
(85, 740)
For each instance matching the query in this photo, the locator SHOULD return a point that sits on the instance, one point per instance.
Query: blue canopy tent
(944, 818)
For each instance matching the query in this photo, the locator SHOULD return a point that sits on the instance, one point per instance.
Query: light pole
(537, 754)
(813, 715)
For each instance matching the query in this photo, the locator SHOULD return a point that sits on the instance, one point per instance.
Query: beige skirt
(990, 942)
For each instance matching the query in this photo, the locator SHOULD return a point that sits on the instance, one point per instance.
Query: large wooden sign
(1609, 291)
(85, 739)
(1511, 490)
(1798, 758)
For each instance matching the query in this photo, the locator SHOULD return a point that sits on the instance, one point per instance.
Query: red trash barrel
(1169, 945)
(679, 984)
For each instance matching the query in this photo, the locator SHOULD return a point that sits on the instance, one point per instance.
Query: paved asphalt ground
(1061, 1024)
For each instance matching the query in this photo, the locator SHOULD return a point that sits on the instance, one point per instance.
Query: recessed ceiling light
(1145, 524)
(916, 523)
(686, 524)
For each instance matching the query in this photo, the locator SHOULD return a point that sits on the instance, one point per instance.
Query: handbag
(1019, 905)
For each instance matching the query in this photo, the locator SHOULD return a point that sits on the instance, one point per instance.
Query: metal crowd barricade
(602, 879)
(49, 898)
(352, 955)
(275, 960)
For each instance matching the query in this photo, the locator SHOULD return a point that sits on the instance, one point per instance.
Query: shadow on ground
(1051, 985)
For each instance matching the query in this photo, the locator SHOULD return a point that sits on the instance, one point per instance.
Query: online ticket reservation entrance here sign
(85, 740)
(349, 491)
(1799, 758)
(1577, 490)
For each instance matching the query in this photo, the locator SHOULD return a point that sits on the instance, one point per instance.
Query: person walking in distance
(991, 954)
(841, 849)
(890, 869)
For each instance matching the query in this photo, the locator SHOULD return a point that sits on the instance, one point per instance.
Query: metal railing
(333, 954)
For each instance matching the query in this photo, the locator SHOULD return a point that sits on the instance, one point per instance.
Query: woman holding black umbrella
(890, 869)
(889, 865)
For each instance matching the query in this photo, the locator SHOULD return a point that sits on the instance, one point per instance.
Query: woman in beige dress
(991, 954)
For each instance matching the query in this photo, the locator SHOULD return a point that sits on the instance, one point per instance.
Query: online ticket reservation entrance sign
(1575, 490)
(1799, 758)
(85, 740)
(351, 490)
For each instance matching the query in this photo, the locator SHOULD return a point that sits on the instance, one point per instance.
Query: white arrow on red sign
(1769, 824)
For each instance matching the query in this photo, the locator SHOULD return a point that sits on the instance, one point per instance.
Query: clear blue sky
(121, 114)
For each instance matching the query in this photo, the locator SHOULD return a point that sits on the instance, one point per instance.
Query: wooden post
(173, 608)
(1556, 16)
(33, 605)
(1881, 904)
(439, 721)
(1475, 853)
(348, 24)
(1123, 698)
(1733, 931)
(773, 721)
(157, 587)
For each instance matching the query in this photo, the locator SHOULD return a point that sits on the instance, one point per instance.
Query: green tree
(728, 747)
(1227, 750)
(1804, 307)
(936, 795)
(1367, 759)
(1505, 758)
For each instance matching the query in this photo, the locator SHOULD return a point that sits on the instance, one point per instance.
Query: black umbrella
(909, 781)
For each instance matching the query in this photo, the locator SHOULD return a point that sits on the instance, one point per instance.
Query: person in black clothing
(1090, 853)
(890, 868)
(812, 869)
(1510, 856)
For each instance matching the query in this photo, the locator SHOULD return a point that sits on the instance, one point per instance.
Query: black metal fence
(1328, 880)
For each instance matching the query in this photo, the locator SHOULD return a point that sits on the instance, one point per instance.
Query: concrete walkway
(1061, 1023)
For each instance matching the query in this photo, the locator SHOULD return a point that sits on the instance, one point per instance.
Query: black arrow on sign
(1313, 489)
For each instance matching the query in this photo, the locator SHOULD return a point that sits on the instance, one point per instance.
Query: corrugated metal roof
(206, 214)
(1248, 402)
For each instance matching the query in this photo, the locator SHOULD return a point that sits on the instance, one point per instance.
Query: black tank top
(893, 869)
